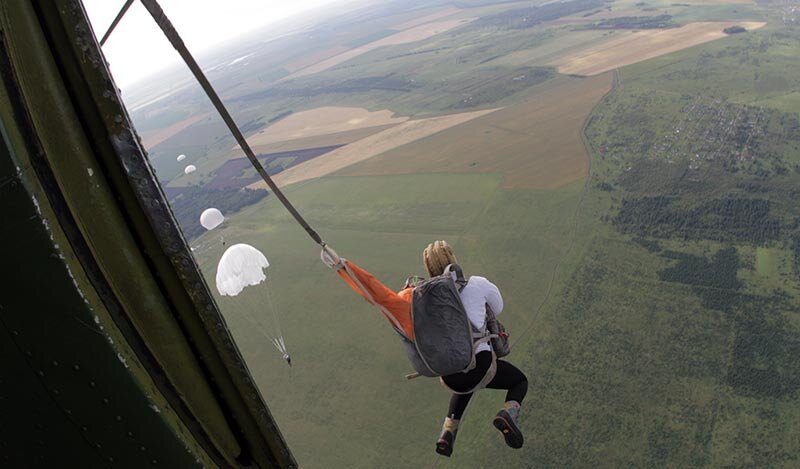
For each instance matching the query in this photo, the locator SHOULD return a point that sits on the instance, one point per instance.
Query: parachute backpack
(428, 315)
(444, 338)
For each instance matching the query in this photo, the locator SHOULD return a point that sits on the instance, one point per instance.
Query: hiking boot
(506, 422)
(447, 439)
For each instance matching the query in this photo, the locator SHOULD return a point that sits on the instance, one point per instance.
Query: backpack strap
(479, 336)
(455, 269)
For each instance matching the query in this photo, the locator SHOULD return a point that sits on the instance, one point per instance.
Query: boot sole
(443, 448)
(510, 432)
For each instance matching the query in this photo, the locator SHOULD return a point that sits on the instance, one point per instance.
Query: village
(711, 129)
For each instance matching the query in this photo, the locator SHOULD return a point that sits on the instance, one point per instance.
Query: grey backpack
(444, 338)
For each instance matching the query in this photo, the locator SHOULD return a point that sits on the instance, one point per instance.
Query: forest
(726, 220)
(634, 22)
(718, 272)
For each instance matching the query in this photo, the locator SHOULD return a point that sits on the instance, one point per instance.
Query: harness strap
(455, 269)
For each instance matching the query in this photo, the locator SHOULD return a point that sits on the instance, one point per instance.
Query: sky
(138, 49)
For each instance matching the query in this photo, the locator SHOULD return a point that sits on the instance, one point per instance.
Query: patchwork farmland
(636, 46)
(534, 145)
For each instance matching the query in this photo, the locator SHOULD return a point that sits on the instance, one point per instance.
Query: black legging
(507, 377)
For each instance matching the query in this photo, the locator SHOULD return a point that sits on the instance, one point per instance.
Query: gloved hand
(330, 258)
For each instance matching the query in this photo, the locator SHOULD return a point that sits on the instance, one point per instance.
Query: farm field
(338, 138)
(444, 12)
(373, 145)
(239, 172)
(322, 121)
(535, 144)
(563, 43)
(412, 34)
(768, 56)
(152, 139)
(311, 59)
(636, 46)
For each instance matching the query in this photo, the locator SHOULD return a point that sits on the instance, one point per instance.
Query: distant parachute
(190, 169)
(211, 218)
(241, 266)
(181, 157)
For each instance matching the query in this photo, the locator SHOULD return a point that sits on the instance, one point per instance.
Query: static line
(174, 38)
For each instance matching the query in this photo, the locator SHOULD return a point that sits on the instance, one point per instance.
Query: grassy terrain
(668, 351)
(345, 402)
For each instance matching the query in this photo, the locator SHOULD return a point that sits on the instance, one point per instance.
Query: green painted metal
(72, 391)
(133, 298)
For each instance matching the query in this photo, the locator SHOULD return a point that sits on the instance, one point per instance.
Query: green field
(347, 378)
(767, 261)
(654, 306)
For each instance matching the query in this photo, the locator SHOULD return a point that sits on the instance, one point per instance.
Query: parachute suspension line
(278, 343)
(172, 35)
(275, 318)
(116, 21)
(275, 340)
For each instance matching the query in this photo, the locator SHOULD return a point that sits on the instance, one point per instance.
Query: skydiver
(287, 358)
(475, 296)
(478, 293)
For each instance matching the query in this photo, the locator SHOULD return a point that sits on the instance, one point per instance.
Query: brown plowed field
(322, 121)
(535, 144)
(150, 140)
(629, 47)
(368, 147)
(338, 138)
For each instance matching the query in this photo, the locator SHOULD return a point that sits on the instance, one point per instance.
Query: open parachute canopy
(181, 157)
(241, 266)
(190, 169)
(211, 218)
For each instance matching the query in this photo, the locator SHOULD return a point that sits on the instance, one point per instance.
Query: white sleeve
(493, 297)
